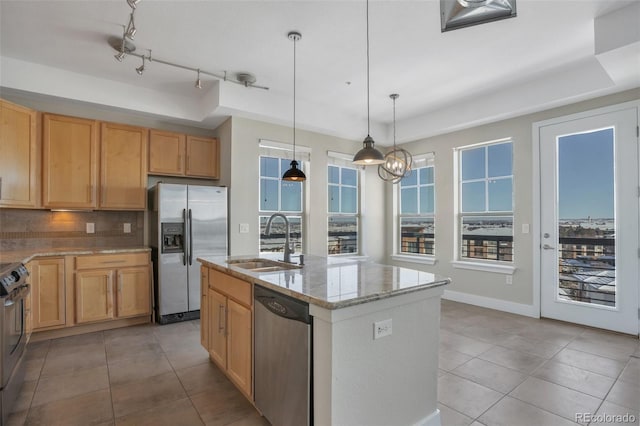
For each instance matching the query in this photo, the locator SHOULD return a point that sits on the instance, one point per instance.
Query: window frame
(341, 214)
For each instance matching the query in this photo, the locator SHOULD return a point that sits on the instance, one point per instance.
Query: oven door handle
(8, 302)
(17, 294)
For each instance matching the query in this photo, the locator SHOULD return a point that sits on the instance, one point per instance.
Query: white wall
(244, 187)
(476, 286)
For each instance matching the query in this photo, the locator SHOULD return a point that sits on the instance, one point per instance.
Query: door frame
(536, 189)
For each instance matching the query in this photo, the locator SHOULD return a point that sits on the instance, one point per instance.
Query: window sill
(485, 267)
(425, 260)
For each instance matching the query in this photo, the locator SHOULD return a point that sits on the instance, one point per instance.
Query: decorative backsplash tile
(27, 229)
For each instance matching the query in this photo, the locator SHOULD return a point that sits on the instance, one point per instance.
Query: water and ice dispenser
(172, 238)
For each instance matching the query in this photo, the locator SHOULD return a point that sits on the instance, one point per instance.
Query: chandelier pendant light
(368, 155)
(397, 162)
(294, 174)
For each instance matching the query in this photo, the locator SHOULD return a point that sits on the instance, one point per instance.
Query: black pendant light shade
(294, 174)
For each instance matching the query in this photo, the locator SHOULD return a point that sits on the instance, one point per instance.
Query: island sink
(262, 265)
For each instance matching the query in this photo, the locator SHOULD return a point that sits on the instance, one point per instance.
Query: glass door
(589, 221)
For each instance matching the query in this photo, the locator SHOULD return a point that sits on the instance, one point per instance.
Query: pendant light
(294, 174)
(368, 155)
(397, 162)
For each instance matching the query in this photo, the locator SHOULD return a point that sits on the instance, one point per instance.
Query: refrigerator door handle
(184, 229)
(190, 238)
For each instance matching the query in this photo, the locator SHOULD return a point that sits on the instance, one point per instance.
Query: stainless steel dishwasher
(282, 358)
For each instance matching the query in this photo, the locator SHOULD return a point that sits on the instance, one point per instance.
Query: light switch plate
(127, 228)
(525, 228)
(244, 228)
(382, 328)
(91, 228)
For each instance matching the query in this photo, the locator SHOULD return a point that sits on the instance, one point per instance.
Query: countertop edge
(25, 257)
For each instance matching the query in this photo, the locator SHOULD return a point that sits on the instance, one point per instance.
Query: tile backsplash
(33, 229)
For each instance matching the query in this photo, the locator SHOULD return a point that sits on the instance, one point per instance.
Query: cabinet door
(239, 345)
(203, 157)
(133, 297)
(69, 162)
(123, 167)
(18, 161)
(48, 293)
(204, 307)
(217, 328)
(166, 153)
(94, 295)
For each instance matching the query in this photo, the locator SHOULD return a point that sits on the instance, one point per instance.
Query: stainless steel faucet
(287, 247)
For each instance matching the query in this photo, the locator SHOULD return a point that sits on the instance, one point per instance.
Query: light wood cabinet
(48, 307)
(132, 296)
(167, 153)
(230, 312)
(94, 296)
(123, 167)
(69, 162)
(204, 307)
(18, 156)
(203, 157)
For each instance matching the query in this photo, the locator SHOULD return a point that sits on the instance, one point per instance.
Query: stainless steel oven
(13, 339)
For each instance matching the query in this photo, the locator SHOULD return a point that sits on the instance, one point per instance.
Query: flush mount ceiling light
(456, 14)
(397, 162)
(368, 155)
(124, 47)
(294, 174)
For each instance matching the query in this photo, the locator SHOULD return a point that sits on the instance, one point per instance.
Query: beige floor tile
(450, 417)
(493, 376)
(253, 419)
(575, 378)
(79, 340)
(176, 413)
(631, 372)
(77, 350)
(463, 344)
(175, 340)
(145, 394)
(17, 418)
(88, 409)
(610, 413)
(449, 359)
(37, 350)
(625, 394)
(557, 399)
(222, 406)
(476, 423)
(65, 386)
(200, 378)
(136, 331)
(605, 344)
(33, 368)
(92, 356)
(547, 333)
(535, 347)
(187, 357)
(175, 328)
(138, 367)
(510, 358)
(25, 396)
(129, 347)
(512, 412)
(465, 396)
(590, 362)
(486, 334)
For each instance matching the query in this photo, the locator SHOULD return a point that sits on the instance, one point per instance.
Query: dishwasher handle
(282, 305)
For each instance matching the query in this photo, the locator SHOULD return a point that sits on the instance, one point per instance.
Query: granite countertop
(332, 282)
(25, 256)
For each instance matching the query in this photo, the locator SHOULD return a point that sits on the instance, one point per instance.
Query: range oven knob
(16, 276)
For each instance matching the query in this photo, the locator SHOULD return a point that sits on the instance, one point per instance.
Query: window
(342, 209)
(278, 196)
(416, 210)
(486, 202)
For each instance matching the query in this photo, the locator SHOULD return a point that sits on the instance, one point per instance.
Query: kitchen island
(359, 379)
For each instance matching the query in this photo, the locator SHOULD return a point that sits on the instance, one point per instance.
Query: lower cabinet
(229, 323)
(48, 305)
(204, 307)
(94, 296)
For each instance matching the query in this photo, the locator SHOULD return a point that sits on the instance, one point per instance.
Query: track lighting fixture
(140, 69)
(131, 28)
(198, 82)
(294, 174)
(368, 155)
(121, 53)
(133, 3)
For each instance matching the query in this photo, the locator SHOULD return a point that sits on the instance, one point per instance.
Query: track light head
(133, 3)
(120, 56)
(198, 84)
(140, 69)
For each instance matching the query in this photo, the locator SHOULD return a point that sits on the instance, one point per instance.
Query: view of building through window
(343, 210)
(417, 207)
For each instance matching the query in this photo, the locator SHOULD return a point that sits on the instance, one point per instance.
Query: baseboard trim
(432, 419)
(39, 335)
(488, 302)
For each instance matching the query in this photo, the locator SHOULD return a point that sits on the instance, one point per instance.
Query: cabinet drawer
(111, 260)
(231, 286)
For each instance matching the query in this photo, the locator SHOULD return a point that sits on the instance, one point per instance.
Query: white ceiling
(544, 57)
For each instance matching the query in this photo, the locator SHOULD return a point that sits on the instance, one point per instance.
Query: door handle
(190, 238)
(548, 247)
(221, 325)
(184, 230)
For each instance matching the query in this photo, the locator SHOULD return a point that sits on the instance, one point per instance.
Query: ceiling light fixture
(397, 162)
(368, 155)
(294, 173)
(456, 14)
(131, 27)
(198, 82)
(140, 69)
(121, 47)
(133, 3)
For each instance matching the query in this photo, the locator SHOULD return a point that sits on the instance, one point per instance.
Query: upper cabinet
(18, 156)
(175, 154)
(123, 167)
(69, 162)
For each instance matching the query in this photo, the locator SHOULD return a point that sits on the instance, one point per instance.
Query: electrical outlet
(127, 228)
(382, 328)
(509, 279)
(244, 228)
(91, 228)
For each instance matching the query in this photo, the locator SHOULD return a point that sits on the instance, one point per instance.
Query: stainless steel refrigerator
(185, 222)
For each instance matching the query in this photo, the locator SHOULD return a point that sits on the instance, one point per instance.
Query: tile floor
(495, 369)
